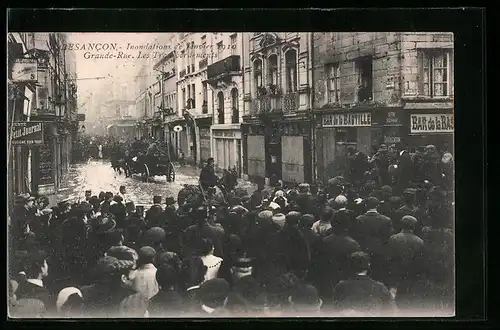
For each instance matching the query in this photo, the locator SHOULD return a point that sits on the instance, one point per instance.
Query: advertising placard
(25, 70)
(46, 175)
(27, 133)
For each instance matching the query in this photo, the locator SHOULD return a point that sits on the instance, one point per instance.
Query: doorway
(220, 101)
(274, 170)
(238, 160)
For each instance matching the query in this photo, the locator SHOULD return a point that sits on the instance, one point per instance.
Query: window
(183, 59)
(233, 44)
(205, 93)
(273, 69)
(193, 89)
(333, 83)
(435, 70)
(234, 106)
(257, 73)
(220, 101)
(184, 99)
(220, 48)
(365, 79)
(203, 46)
(291, 71)
(188, 106)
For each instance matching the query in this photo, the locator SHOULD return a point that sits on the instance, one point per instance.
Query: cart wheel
(171, 173)
(146, 172)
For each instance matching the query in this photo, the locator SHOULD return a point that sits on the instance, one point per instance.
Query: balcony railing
(182, 73)
(227, 66)
(203, 63)
(276, 103)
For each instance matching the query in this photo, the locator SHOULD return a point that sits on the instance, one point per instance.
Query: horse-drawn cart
(151, 165)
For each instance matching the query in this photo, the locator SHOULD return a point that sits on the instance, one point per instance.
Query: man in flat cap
(409, 208)
(407, 260)
(373, 231)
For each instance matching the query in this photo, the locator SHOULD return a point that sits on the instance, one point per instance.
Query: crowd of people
(361, 244)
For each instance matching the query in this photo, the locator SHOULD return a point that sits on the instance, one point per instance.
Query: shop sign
(224, 134)
(27, 133)
(431, 123)
(347, 120)
(25, 70)
(392, 139)
(47, 189)
(392, 119)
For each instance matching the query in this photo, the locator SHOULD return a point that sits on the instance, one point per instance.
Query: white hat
(341, 200)
(63, 296)
(279, 219)
(274, 206)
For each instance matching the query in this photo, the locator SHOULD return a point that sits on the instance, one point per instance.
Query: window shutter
(420, 68)
(451, 73)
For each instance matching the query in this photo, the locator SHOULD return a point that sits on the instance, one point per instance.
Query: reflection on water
(97, 175)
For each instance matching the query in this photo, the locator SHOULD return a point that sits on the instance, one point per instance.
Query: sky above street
(111, 68)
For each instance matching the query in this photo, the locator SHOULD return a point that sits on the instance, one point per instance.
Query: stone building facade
(365, 84)
(276, 129)
(225, 79)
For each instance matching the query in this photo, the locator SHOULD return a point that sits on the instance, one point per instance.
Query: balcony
(269, 103)
(203, 63)
(182, 74)
(226, 67)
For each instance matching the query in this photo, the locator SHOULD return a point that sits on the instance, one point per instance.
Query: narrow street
(97, 176)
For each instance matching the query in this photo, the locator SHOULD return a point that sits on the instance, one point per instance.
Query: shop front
(227, 147)
(431, 128)
(278, 150)
(336, 133)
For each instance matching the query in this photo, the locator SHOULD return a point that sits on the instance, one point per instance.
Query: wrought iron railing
(182, 73)
(275, 103)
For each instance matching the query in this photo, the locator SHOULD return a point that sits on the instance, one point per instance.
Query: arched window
(234, 106)
(220, 101)
(273, 70)
(291, 71)
(257, 73)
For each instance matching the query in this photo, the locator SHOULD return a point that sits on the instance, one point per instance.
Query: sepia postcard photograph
(230, 174)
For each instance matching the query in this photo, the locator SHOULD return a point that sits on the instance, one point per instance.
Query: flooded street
(97, 176)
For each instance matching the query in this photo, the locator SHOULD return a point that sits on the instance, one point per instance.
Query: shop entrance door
(273, 158)
(341, 164)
